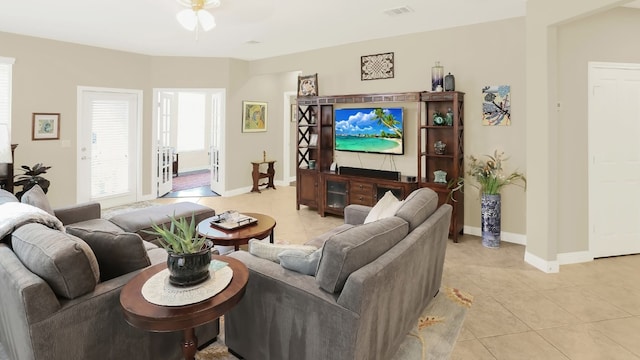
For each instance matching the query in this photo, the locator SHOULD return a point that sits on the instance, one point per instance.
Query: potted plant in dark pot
(189, 254)
(31, 177)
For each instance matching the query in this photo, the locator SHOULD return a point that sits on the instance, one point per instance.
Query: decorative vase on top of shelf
(490, 179)
(437, 74)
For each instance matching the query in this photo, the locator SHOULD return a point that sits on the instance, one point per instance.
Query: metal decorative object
(378, 66)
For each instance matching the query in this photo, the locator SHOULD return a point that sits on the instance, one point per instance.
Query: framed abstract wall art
(496, 105)
(254, 116)
(46, 126)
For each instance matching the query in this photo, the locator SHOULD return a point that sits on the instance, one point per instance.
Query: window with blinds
(110, 147)
(6, 69)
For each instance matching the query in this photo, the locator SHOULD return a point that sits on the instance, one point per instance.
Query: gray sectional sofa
(61, 285)
(372, 282)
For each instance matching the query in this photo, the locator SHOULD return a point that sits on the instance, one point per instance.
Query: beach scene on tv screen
(376, 130)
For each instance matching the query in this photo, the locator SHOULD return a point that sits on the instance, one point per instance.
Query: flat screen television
(370, 130)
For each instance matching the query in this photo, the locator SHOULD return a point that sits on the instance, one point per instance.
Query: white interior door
(614, 154)
(108, 138)
(165, 153)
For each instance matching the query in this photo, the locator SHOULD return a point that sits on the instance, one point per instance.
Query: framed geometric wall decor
(254, 116)
(46, 126)
(378, 66)
(496, 105)
(308, 85)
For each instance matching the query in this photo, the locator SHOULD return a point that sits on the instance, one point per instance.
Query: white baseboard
(148, 197)
(574, 257)
(541, 264)
(238, 191)
(514, 238)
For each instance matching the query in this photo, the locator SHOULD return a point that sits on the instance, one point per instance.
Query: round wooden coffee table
(142, 314)
(260, 230)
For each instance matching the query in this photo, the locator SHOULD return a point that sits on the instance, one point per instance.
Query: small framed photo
(46, 126)
(308, 85)
(313, 140)
(254, 116)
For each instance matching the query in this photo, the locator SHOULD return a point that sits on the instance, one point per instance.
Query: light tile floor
(586, 311)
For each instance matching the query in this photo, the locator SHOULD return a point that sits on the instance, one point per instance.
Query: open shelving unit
(452, 161)
(329, 192)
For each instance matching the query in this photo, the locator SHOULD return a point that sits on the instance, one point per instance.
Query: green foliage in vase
(180, 237)
(489, 175)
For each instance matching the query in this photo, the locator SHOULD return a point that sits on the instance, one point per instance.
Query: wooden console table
(257, 175)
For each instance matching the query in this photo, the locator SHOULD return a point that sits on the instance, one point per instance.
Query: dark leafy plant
(30, 177)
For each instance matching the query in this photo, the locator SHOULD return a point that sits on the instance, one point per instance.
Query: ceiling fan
(195, 16)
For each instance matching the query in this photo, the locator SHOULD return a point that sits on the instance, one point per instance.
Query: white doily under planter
(157, 290)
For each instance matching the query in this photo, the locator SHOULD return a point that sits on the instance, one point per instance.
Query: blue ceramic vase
(490, 212)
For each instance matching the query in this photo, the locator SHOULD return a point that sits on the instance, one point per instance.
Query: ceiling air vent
(398, 11)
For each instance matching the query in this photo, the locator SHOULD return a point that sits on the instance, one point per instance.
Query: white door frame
(592, 138)
(218, 115)
(218, 129)
(286, 148)
(81, 179)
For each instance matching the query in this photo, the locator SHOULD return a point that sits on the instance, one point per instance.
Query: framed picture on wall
(46, 126)
(308, 85)
(254, 116)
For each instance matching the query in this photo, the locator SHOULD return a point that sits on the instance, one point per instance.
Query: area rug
(433, 336)
(191, 180)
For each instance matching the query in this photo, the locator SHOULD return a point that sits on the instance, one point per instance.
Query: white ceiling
(278, 26)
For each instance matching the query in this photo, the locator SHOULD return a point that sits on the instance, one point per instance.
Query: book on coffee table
(232, 220)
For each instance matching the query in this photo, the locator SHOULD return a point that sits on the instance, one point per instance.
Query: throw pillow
(300, 261)
(270, 251)
(36, 197)
(384, 208)
(65, 262)
(350, 250)
(6, 197)
(117, 253)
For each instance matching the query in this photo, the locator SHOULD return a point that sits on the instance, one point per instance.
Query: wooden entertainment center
(329, 191)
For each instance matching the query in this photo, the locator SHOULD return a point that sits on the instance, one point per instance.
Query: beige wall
(45, 79)
(543, 57)
(463, 51)
(478, 55)
(542, 135)
(589, 39)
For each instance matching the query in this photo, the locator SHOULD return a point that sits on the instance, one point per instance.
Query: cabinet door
(336, 193)
(308, 188)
